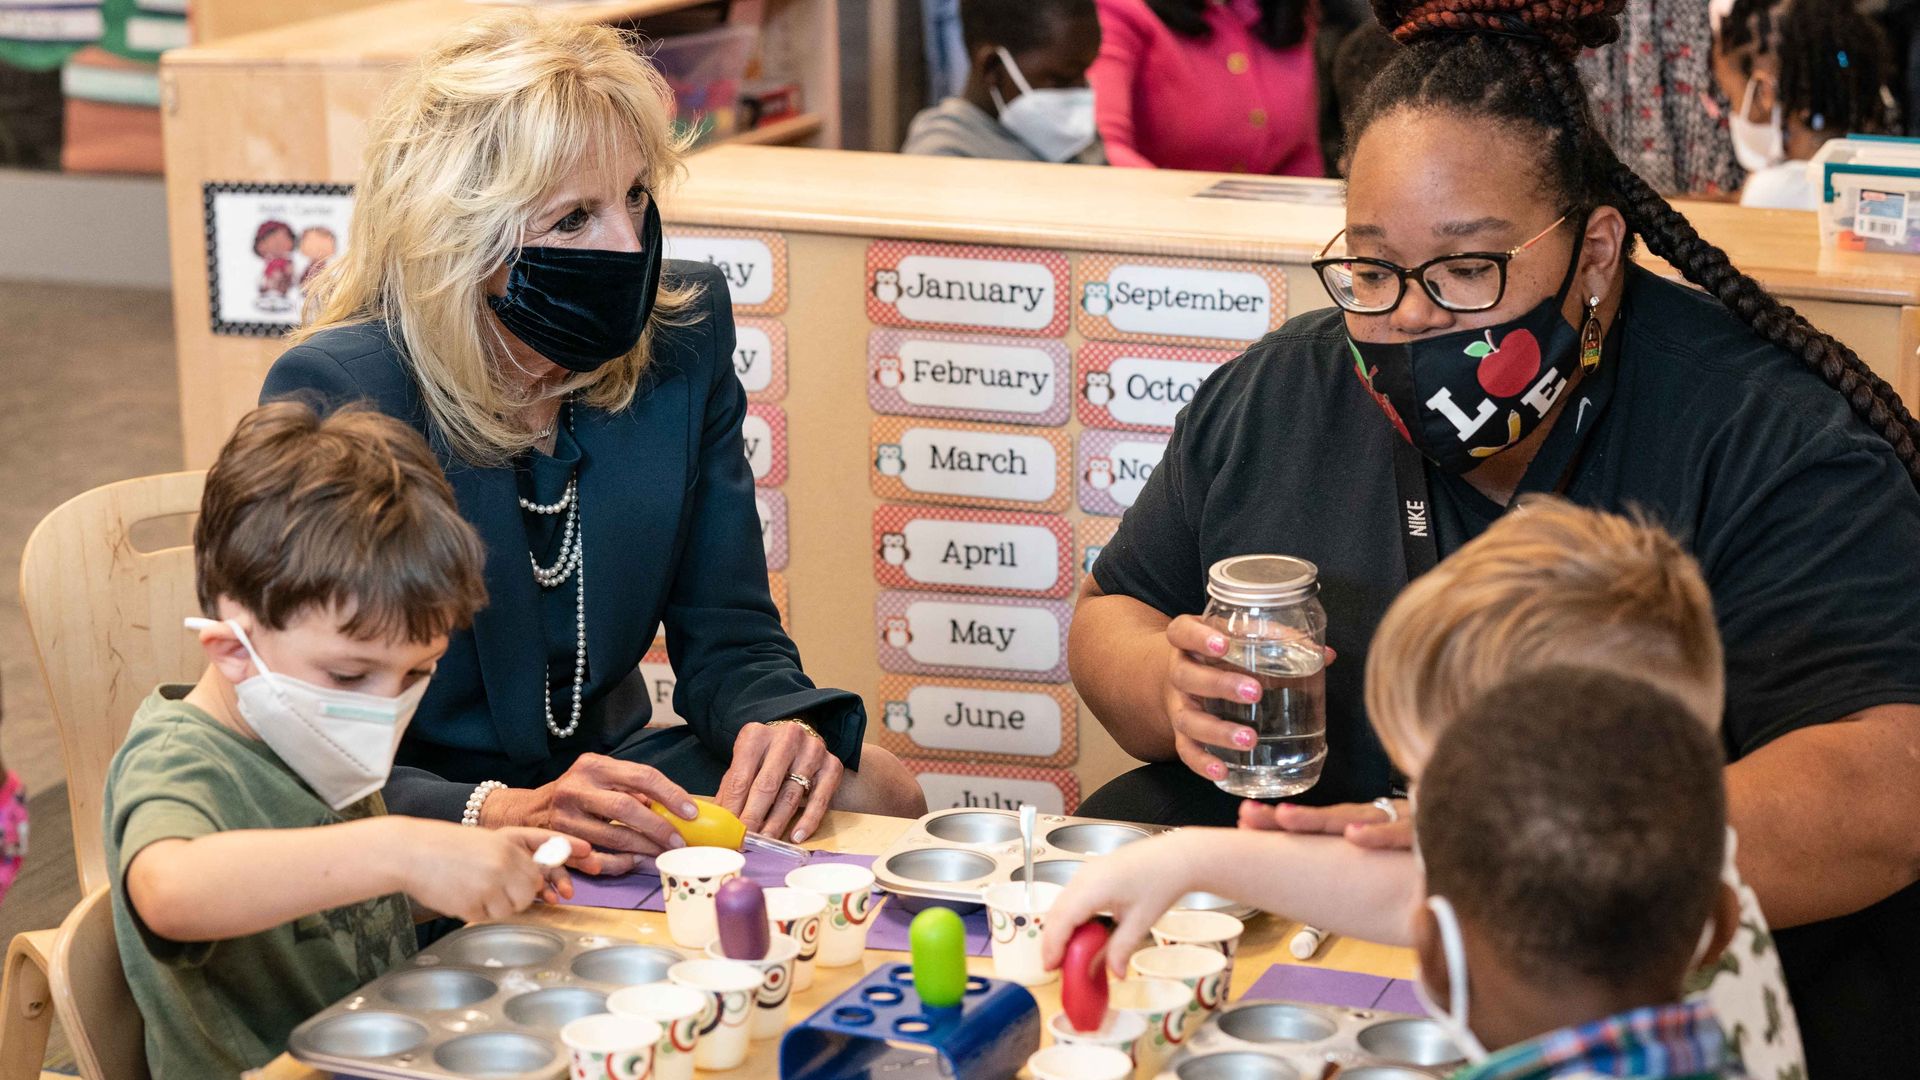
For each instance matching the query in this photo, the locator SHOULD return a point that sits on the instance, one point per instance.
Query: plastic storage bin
(1870, 193)
(706, 70)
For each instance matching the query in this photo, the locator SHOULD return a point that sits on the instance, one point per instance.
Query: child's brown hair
(1548, 584)
(349, 512)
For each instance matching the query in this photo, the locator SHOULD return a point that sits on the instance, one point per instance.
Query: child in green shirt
(256, 875)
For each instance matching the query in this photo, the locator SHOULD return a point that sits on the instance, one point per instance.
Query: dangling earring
(1590, 336)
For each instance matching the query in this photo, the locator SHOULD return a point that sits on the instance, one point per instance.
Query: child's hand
(482, 874)
(1364, 825)
(1135, 884)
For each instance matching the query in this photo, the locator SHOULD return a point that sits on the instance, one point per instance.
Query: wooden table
(1265, 943)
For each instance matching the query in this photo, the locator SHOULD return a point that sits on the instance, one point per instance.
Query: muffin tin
(1286, 1040)
(952, 855)
(485, 1002)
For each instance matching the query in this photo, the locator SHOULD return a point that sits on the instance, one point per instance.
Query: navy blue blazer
(671, 536)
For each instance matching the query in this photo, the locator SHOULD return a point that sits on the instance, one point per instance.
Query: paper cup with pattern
(851, 907)
(1161, 1005)
(1080, 1063)
(771, 1004)
(730, 986)
(1120, 1031)
(1214, 930)
(1201, 970)
(797, 914)
(608, 1047)
(678, 1010)
(690, 876)
(1014, 924)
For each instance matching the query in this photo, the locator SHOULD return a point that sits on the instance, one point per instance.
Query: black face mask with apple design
(1461, 398)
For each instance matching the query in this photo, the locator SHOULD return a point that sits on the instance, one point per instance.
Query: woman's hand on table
(603, 801)
(1363, 825)
(480, 874)
(759, 787)
(1135, 884)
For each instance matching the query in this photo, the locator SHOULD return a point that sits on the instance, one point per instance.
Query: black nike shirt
(1804, 523)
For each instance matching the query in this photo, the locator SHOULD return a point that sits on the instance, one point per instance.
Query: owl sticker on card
(889, 459)
(897, 717)
(893, 549)
(886, 286)
(1095, 300)
(1099, 475)
(1099, 388)
(886, 371)
(897, 635)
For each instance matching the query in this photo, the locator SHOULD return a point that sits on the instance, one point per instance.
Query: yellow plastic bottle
(713, 826)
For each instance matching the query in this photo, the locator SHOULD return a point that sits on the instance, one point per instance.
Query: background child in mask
(1798, 72)
(1548, 584)
(1572, 824)
(256, 875)
(1026, 97)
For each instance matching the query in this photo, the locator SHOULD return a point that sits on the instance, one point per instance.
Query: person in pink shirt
(1220, 85)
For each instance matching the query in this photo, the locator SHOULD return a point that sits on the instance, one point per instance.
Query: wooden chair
(91, 997)
(105, 621)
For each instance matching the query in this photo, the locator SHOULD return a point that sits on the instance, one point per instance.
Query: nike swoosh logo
(1581, 416)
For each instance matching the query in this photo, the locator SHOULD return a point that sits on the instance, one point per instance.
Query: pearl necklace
(570, 563)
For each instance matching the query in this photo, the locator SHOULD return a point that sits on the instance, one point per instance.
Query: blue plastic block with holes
(879, 1028)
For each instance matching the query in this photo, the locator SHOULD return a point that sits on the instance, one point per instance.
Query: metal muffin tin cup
(1368, 1045)
(485, 1002)
(952, 856)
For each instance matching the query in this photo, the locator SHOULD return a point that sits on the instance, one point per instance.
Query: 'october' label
(1178, 301)
(967, 377)
(950, 784)
(1114, 467)
(973, 719)
(971, 550)
(754, 264)
(986, 637)
(763, 431)
(952, 286)
(1141, 387)
(975, 464)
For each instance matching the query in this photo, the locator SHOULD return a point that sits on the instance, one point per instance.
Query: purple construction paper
(1399, 998)
(1319, 986)
(627, 892)
(768, 869)
(890, 929)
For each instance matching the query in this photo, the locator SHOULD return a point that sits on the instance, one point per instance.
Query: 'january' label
(984, 551)
(772, 507)
(975, 464)
(967, 377)
(954, 784)
(975, 719)
(760, 358)
(959, 287)
(754, 264)
(1148, 298)
(961, 635)
(1141, 387)
(1114, 467)
(764, 433)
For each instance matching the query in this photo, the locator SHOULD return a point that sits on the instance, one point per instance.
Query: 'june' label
(943, 717)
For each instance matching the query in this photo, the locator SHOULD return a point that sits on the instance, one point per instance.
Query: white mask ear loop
(1706, 942)
(195, 622)
(1456, 954)
(1013, 69)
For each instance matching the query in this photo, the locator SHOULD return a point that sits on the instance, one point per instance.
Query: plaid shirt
(1666, 1042)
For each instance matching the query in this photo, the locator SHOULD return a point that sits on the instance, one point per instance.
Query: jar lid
(1262, 579)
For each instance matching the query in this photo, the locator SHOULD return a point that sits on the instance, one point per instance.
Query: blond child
(1550, 584)
(257, 877)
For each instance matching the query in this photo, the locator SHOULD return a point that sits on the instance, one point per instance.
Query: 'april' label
(981, 551)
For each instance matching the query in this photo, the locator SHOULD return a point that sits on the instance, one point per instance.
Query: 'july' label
(959, 287)
(988, 637)
(1114, 467)
(989, 466)
(971, 550)
(932, 373)
(1141, 387)
(1147, 298)
(764, 432)
(973, 718)
(987, 789)
(754, 264)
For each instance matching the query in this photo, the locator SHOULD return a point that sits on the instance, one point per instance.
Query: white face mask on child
(1756, 146)
(1056, 124)
(339, 741)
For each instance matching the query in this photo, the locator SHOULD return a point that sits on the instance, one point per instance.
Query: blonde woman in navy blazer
(502, 290)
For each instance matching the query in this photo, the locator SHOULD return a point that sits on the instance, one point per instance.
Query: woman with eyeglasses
(1492, 337)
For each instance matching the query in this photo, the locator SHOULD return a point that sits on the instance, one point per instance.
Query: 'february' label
(951, 286)
(985, 637)
(977, 720)
(967, 377)
(1178, 301)
(973, 464)
(979, 551)
(1114, 467)
(754, 264)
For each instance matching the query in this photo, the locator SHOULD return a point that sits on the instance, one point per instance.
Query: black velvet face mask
(581, 308)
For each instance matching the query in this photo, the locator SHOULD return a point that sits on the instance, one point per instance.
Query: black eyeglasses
(1467, 281)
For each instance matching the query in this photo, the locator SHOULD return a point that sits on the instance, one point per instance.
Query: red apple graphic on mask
(1508, 368)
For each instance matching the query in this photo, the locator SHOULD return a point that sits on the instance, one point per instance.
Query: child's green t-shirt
(214, 1009)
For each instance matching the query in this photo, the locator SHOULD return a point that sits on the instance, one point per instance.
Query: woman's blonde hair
(1550, 584)
(463, 153)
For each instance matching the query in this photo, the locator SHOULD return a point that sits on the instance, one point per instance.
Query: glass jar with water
(1268, 608)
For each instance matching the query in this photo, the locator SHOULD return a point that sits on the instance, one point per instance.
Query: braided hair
(1834, 61)
(1510, 61)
